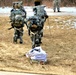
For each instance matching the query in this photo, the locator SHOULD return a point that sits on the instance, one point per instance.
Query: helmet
(18, 18)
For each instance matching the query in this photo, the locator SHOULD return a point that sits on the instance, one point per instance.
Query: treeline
(4, 3)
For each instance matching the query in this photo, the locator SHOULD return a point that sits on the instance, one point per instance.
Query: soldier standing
(17, 21)
(40, 12)
(35, 26)
(56, 4)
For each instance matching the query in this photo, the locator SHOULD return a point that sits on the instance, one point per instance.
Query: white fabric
(37, 54)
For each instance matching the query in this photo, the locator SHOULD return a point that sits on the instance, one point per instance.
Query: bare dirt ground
(59, 42)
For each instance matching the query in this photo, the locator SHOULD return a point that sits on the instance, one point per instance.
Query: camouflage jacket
(16, 18)
(39, 10)
(56, 1)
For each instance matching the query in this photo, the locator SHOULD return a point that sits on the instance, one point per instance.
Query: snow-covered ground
(64, 11)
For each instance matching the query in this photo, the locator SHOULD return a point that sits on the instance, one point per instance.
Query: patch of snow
(64, 10)
(5, 10)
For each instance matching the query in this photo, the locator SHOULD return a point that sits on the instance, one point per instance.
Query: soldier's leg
(58, 7)
(40, 36)
(21, 41)
(54, 7)
(15, 36)
(32, 36)
(20, 36)
(41, 33)
(37, 39)
(40, 39)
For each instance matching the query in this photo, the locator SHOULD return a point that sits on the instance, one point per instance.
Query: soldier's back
(40, 10)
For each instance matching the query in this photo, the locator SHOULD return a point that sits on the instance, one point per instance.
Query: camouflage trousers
(56, 6)
(36, 38)
(18, 35)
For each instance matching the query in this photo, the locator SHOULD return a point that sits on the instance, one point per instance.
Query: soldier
(17, 22)
(34, 26)
(39, 11)
(56, 4)
(37, 2)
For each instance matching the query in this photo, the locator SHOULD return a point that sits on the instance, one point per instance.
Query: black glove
(46, 16)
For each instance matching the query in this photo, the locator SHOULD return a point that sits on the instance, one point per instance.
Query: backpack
(39, 10)
(16, 18)
(34, 23)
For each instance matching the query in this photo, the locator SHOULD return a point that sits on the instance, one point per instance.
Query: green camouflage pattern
(56, 5)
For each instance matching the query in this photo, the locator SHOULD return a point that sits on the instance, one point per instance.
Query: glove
(46, 16)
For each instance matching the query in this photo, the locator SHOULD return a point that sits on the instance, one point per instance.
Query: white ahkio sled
(37, 54)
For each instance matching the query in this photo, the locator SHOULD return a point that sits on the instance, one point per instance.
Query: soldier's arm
(24, 12)
(28, 31)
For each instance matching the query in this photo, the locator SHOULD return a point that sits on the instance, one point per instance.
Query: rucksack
(39, 10)
(34, 23)
(16, 17)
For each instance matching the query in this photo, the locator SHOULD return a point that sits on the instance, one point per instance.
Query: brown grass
(59, 42)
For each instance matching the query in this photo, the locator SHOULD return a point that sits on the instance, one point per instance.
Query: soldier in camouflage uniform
(40, 12)
(56, 4)
(38, 19)
(34, 29)
(37, 2)
(17, 21)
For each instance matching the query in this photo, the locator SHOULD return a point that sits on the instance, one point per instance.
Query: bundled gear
(18, 14)
(40, 11)
(37, 54)
(34, 23)
(19, 5)
(16, 18)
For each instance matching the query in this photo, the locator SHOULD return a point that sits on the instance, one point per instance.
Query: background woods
(4, 3)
